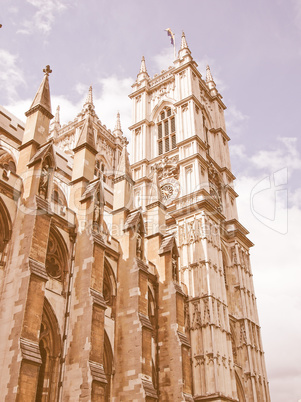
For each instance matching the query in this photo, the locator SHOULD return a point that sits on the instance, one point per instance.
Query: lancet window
(166, 131)
(99, 170)
(50, 349)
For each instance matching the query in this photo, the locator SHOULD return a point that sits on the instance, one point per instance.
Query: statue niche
(175, 267)
(139, 242)
(45, 178)
(98, 211)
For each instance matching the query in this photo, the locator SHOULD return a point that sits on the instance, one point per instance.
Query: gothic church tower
(119, 281)
(179, 137)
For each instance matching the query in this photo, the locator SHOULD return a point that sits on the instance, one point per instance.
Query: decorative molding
(98, 299)
(97, 372)
(38, 269)
(30, 351)
(145, 321)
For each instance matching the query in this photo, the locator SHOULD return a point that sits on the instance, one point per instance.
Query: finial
(143, 66)
(209, 77)
(47, 70)
(183, 41)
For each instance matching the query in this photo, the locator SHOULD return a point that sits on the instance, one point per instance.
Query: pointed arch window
(50, 350)
(99, 170)
(56, 258)
(166, 131)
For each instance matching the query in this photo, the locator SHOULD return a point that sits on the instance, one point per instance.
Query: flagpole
(174, 46)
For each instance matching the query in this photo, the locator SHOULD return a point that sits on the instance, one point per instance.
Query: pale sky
(254, 51)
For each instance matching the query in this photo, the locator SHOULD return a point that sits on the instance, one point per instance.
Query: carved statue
(174, 267)
(139, 242)
(97, 212)
(44, 181)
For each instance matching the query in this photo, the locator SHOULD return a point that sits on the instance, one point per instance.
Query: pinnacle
(143, 66)
(117, 130)
(118, 124)
(88, 105)
(42, 98)
(183, 41)
(57, 115)
(209, 77)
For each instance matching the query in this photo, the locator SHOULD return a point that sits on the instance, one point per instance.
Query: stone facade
(126, 282)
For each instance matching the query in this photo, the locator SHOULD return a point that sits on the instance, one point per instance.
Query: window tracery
(55, 257)
(166, 131)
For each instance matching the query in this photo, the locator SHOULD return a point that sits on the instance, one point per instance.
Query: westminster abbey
(126, 281)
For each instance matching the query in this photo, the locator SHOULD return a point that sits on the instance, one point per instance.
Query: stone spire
(42, 99)
(88, 105)
(183, 41)
(210, 82)
(143, 66)
(184, 52)
(117, 130)
(124, 168)
(55, 124)
(143, 74)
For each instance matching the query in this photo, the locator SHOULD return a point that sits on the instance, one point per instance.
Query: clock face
(169, 190)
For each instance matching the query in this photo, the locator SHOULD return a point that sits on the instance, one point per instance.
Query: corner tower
(179, 134)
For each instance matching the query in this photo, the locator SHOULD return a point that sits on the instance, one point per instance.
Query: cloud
(43, 17)
(110, 95)
(11, 76)
(276, 256)
(286, 155)
(235, 121)
(163, 59)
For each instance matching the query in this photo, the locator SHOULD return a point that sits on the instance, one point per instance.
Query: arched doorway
(50, 349)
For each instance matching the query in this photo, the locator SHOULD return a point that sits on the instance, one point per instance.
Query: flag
(171, 34)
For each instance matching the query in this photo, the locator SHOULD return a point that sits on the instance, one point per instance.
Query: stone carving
(175, 267)
(196, 321)
(44, 180)
(167, 167)
(139, 242)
